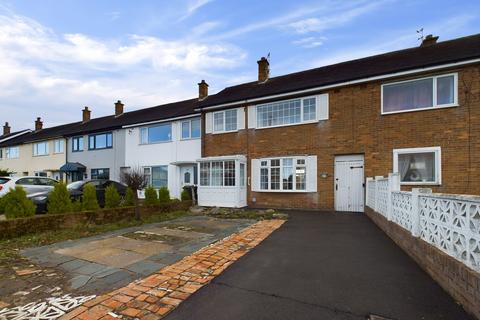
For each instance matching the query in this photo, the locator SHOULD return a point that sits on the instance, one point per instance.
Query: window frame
(97, 169)
(302, 116)
(190, 122)
(35, 149)
(223, 112)
(438, 164)
(434, 93)
(210, 177)
(95, 135)
(78, 138)
(294, 166)
(148, 172)
(8, 153)
(147, 128)
(61, 144)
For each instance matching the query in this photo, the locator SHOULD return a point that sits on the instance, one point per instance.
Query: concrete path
(322, 266)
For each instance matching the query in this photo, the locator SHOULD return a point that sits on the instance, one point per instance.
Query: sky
(57, 56)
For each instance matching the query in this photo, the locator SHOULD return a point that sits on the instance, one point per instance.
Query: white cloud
(340, 16)
(310, 42)
(193, 6)
(54, 75)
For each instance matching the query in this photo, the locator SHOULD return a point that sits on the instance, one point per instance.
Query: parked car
(76, 192)
(31, 185)
(76, 189)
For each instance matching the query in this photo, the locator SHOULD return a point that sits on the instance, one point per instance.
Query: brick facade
(356, 126)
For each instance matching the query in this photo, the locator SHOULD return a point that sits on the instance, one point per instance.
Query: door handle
(336, 186)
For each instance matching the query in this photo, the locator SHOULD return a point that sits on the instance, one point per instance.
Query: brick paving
(156, 295)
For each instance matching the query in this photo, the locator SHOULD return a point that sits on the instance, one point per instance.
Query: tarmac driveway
(322, 266)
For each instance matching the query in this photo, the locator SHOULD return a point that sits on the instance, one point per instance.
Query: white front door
(187, 175)
(349, 184)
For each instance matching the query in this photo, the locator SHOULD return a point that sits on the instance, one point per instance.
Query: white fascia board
(160, 121)
(341, 84)
(16, 135)
(240, 157)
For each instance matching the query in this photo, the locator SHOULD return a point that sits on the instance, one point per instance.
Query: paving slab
(108, 261)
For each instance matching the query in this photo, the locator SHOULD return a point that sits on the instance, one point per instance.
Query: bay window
(420, 94)
(286, 174)
(418, 166)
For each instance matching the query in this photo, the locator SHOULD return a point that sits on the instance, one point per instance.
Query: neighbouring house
(27, 153)
(165, 144)
(308, 139)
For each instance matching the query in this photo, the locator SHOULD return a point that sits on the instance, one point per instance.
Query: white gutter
(341, 84)
(160, 121)
(16, 135)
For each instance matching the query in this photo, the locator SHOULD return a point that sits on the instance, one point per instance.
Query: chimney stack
(6, 129)
(263, 70)
(118, 108)
(202, 90)
(86, 115)
(429, 40)
(38, 124)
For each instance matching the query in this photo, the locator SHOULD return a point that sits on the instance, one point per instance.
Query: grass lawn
(9, 249)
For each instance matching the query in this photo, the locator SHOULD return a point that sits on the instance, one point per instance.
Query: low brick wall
(19, 227)
(461, 282)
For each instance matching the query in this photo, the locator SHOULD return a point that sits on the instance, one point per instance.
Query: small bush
(77, 205)
(163, 195)
(151, 196)
(59, 200)
(17, 205)
(129, 200)
(2, 205)
(185, 195)
(112, 197)
(89, 198)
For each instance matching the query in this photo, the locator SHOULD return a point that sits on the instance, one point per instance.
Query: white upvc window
(40, 149)
(420, 94)
(12, 153)
(58, 146)
(191, 129)
(418, 166)
(219, 173)
(225, 121)
(285, 174)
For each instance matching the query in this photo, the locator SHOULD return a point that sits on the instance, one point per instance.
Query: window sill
(289, 125)
(284, 191)
(75, 151)
(422, 109)
(157, 142)
(420, 183)
(222, 132)
(40, 155)
(188, 139)
(99, 149)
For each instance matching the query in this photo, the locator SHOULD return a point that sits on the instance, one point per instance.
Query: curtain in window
(408, 95)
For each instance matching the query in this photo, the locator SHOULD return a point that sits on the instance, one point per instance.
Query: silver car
(31, 185)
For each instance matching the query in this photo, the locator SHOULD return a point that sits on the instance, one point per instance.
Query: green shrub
(59, 200)
(129, 200)
(89, 198)
(163, 195)
(112, 197)
(185, 195)
(17, 205)
(77, 206)
(151, 196)
(2, 205)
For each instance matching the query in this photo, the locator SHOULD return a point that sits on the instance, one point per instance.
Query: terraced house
(40, 152)
(308, 139)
